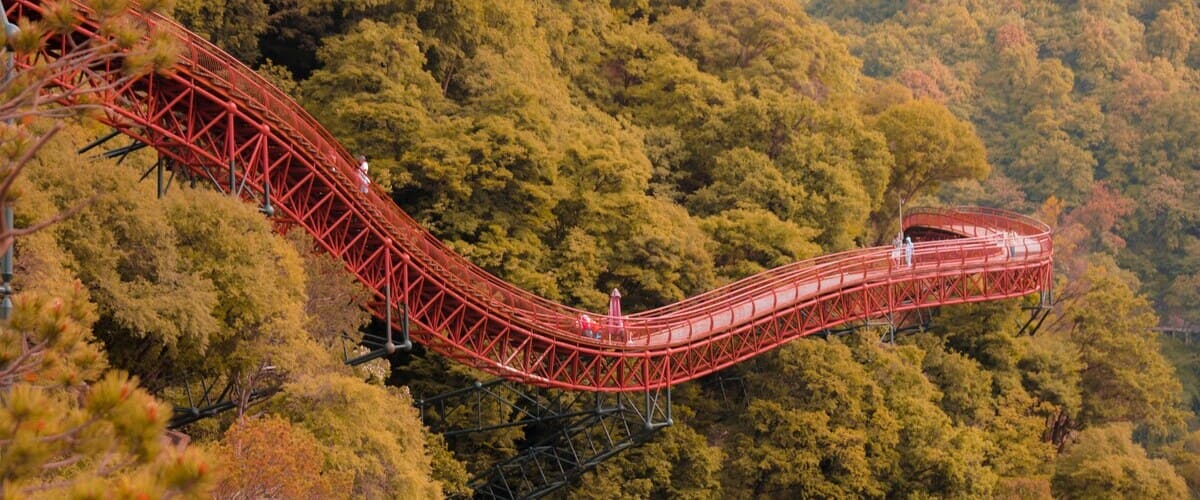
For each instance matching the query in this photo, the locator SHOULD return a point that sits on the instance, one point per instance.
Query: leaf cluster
(72, 427)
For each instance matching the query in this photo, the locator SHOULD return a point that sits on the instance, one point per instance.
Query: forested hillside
(1079, 103)
(664, 148)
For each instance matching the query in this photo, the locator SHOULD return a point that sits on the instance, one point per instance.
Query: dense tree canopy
(1106, 462)
(196, 285)
(661, 148)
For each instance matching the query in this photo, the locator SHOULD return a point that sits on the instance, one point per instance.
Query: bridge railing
(1031, 241)
(715, 309)
(206, 60)
(685, 321)
(807, 284)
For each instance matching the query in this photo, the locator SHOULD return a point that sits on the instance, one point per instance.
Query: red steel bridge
(215, 118)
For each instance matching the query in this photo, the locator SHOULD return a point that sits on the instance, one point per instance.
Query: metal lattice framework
(568, 432)
(218, 120)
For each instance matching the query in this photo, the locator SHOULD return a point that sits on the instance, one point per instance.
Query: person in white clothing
(364, 181)
(897, 246)
(908, 251)
(588, 327)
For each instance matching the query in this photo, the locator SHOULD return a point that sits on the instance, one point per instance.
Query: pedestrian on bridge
(588, 327)
(908, 251)
(364, 181)
(897, 246)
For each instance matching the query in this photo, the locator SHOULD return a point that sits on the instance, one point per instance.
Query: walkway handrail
(461, 311)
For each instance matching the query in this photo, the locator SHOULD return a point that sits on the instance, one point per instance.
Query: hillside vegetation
(664, 148)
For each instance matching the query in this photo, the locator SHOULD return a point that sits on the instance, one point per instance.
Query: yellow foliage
(369, 432)
(268, 457)
(66, 425)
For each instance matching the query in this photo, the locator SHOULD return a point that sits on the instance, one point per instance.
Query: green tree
(985, 332)
(868, 11)
(1184, 455)
(367, 432)
(933, 454)
(1183, 292)
(745, 178)
(334, 306)
(663, 255)
(187, 283)
(843, 167)
(841, 164)
(1051, 372)
(71, 427)
(749, 241)
(677, 463)
(953, 32)
(1054, 164)
(982, 369)
(930, 147)
(818, 426)
(1124, 378)
(966, 388)
(1173, 32)
(1106, 463)
(458, 31)
(1102, 40)
(888, 49)
(233, 25)
(375, 93)
(763, 44)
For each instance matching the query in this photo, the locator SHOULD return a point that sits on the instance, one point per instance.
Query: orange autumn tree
(269, 458)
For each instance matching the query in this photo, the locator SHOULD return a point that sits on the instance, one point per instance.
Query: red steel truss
(220, 120)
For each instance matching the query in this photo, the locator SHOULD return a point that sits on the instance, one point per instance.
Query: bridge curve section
(217, 119)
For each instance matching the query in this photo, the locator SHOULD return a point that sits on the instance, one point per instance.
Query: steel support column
(568, 433)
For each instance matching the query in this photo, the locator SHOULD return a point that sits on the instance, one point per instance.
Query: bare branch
(62, 463)
(29, 355)
(7, 238)
(35, 80)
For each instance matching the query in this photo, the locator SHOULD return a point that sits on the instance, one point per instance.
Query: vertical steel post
(405, 342)
(267, 208)
(266, 170)
(6, 265)
(162, 189)
(10, 29)
(390, 346)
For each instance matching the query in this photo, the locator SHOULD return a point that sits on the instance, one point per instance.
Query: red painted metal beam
(212, 112)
